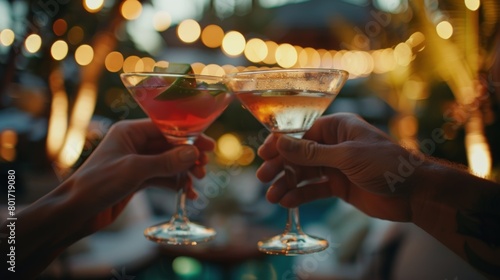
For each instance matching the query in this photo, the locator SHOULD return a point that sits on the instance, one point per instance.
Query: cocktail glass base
(291, 244)
(175, 233)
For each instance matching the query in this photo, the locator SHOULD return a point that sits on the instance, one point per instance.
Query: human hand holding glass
(288, 101)
(182, 106)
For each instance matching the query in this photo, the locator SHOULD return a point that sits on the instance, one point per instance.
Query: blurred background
(417, 69)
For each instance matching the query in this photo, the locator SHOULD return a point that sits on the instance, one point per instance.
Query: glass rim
(175, 75)
(288, 70)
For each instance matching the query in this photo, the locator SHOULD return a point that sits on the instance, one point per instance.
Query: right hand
(359, 160)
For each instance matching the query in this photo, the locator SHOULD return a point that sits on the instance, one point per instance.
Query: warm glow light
(131, 9)
(233, 43)
(213, 69)
(58, 119)
(93, 6)
(479, 159)
(472, 5)
(414, 89)
(229, 147)
(7, 37)
(33, 43)
(402, 54)
(444, 29)
(197, 67)
(189, 31)
(327, 60)
(228, 68)
(313, 57)
(145, 64)
(59, 27)
(84, 55)
(256, 50)
(130, 63)
(212, 36)
(75, 35)
(478, 151)
(80, 119)
(161, 21)
(113, 61)
(417, 41)
(271, 52)
(247, 156)
(384, 60)
(8, 141)
(286, 55)
(59, 50)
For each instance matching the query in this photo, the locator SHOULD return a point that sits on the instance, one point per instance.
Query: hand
(133, 155)
(363, 166)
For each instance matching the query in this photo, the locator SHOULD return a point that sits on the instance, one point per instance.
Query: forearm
(42, 231)
(461, 211)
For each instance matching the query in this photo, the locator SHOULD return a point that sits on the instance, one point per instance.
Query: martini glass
(182, 106)
(288, 101)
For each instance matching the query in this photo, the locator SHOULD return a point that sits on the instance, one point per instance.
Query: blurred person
(133, 154)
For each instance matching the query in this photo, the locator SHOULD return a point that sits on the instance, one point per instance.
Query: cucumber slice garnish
(178, 87)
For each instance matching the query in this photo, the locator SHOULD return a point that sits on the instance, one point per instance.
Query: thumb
(168, 163)
(304, 152)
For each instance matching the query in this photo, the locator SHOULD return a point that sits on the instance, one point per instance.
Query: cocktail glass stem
(293, 241)
(179, 230)
(180, 218)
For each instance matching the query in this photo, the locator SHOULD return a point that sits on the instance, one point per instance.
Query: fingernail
(187, 154)
(289, 143)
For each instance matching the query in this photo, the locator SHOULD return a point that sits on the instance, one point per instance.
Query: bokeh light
(7, 37)
(75, 35)
(271, 52)
(286, 55)
(212, 36)
(444, 29)
(60, 27)
(162, 21)
(472, 5)
(189, 31)
(255, 50)
(187, 267)
(213, 70)
(131, 9)
(84, 55)
(114, 61)
(93, 6)
(33, 43)
(233, 43)
(130, 63)
(59, 50)
(229, 147)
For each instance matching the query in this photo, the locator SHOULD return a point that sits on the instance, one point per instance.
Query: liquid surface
(181, 117)
(286, 111)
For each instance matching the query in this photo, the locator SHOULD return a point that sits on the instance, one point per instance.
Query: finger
(268, 149)
(270, 169)
(303, 152)
(298, 196)
(204, 143)
(198, 171)
(168, 163)
(202, 159)
(277, 190)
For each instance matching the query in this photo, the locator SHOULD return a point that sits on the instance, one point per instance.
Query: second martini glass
(182, 106)
(288, 101)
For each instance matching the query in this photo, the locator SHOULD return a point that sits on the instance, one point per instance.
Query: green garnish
(177, 87)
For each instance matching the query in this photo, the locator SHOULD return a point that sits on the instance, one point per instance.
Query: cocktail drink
(288, 101)
(182, 106)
